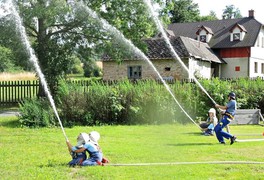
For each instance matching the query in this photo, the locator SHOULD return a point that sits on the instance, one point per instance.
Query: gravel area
(9, 113)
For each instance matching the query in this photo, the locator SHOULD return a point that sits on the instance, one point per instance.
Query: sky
(205, 6)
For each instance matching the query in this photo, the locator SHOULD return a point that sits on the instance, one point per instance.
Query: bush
(91, 69)
(72, 105)
(145, 102)
(75, 66)
(36, 113)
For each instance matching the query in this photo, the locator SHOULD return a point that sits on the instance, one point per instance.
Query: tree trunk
(41, 40)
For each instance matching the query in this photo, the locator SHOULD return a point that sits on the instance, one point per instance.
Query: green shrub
(75, 66)
(36, 113)
(146, 102)
(72, 105)
(149, 102)
(91, 69)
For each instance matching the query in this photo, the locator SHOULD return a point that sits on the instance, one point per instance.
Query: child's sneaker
(232, 140)
(99, 163)
(104, 160)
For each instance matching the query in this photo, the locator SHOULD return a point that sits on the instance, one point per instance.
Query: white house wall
(260, 40)
(229, 70)
(257, 56)
(200, 68)
(259, 72)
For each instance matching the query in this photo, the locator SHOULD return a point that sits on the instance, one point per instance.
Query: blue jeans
(92, 161)
(77, 159)
(220, 134)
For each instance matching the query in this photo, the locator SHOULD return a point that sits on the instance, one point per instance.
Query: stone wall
(168, 69)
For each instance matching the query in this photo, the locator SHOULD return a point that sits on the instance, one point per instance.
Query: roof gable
(199, 50)
(242, 28)
(207, 29)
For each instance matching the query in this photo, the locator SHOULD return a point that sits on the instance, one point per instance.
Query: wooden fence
(13, 92)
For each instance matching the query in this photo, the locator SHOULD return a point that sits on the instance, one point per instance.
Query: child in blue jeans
(92, 147)
(79, 157)
(208, 126)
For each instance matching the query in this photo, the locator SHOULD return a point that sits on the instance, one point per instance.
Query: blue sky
(243, 5)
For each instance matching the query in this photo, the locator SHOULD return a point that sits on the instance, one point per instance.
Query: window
(237, 68)
(256, 67)
(258, 42)
(134, 72)
(262, 68)
(203, 38)
(167, 68)
(236, 36)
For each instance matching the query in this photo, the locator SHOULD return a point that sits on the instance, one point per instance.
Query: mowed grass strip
(17, 76)
(42, 153)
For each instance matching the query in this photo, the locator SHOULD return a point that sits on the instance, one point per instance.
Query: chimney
(251, 13)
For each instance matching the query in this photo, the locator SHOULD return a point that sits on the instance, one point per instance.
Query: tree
(210, 17)
(59, 31)
(231, 12)
(10, 39)
(180, 11)
(6, 58)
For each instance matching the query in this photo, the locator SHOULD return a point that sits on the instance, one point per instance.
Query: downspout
(248, 50)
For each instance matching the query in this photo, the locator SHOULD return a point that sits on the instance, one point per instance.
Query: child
(78, 158)
(208, 126)
(230, 110)
(93, 148)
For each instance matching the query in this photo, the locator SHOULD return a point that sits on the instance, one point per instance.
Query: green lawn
(42, 153)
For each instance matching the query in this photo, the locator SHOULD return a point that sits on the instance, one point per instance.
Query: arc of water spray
(161, 29)
(119, 35)
(34, 60)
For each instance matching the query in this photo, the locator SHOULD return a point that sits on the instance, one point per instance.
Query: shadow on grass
(195, 133)
(60, 164)
(192, 144)
(53, 164)
(10, 122)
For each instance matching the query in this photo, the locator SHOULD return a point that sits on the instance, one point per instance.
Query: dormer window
(204, 34)
(236, 36)
(237, 32)
(203, 38)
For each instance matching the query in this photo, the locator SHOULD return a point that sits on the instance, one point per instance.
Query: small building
(197, 57)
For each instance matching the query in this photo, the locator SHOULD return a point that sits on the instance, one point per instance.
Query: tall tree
(6, 58)
(211, 17)
(180, 11)
(58, 30)
(10, 39)
(231, 12)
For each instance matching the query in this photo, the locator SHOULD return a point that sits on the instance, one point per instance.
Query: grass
(42, 153)
(24, 76)
(81, 77)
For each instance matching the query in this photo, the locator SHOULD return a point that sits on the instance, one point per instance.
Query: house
(228, 48)
(197, 56)
(239, 42)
